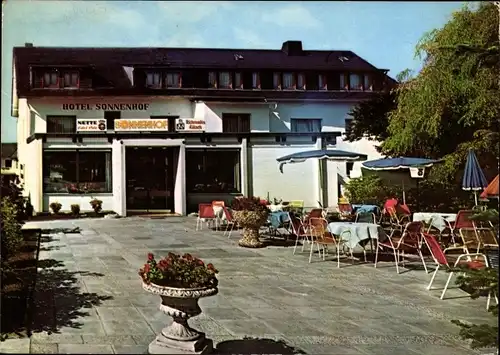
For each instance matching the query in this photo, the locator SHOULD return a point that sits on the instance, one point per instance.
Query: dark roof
(193, 57)
(9, 150)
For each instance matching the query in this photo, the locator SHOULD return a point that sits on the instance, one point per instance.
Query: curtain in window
(288, 81)
(255, 81)
(306, 125)
(354, 81)
(238, 81)
(342, 81)
(277, 81)
(153, 79)
(173, 80)
(61, 124)
(225, 80)
(212, 80)
(322, 82)
(50, 79)
(301, 82)
(70, 80)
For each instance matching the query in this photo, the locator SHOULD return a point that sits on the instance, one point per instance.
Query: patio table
(436, 220)
(359, 232)
(366, 208)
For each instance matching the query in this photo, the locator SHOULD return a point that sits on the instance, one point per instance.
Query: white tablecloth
(437, 220)
(359, 231)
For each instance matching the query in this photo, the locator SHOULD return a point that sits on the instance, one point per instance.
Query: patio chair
(366, 217)
(470, 241)
(487, 238)
(296, 206)
(230, 222)
(441, 260)
(218, 203)
(345, 209)
(397, 221)
(299, 229)
(314, 213)
(320, 236)
(461, 221)
(205, 214)
(410, 239)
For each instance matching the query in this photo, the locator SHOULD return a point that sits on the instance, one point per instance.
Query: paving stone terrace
(89, 297)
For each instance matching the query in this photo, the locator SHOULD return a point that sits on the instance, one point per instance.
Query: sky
(383, 33)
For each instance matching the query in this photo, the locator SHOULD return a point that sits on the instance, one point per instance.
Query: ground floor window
(77, 171)
(213, 171)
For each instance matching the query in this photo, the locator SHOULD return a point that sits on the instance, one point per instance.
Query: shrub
(370, 190)
(249, 204)
(75, 209)
(15, 194)
(11, 228)
(96, 205)
(178, 271)
(55, 207)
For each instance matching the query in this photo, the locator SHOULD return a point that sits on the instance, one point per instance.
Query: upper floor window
(277, 81)
(355, 82)
(235, 123)
(344, 81)
(368, 82)
(322, 85)
(238, 81)
(308, 125)
(61, 124)
(212, 80)
(173, 80)
(71, 80)
(225, 80)
(153, 80)
(289, 81)
(255, 80)
(301, 81)
(50, 79)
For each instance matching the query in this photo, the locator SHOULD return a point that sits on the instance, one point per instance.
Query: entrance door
(149, 176)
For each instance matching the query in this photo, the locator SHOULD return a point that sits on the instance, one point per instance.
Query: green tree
(453, 104)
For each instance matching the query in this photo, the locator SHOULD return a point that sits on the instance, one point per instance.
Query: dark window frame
(160, 81)
(77, 188)
(295, 120)
(70, 73)
(243, 122)
(50, 123)
(179, 80)
(8, 163)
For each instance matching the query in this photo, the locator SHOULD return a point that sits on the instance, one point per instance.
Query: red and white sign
(189, 125)
(90, 125)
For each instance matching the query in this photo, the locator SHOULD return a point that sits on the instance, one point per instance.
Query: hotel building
(168, 128)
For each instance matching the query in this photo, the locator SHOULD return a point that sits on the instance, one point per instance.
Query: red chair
(411, 239)
(205, 214)
(461, 221)
(439, 256)
(299, 229)
(314, 213)
(218, 203)
(345, 209)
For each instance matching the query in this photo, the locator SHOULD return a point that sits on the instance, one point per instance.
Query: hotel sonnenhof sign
(189, 125)
(141, 124)
(105, 107)
(90, 125)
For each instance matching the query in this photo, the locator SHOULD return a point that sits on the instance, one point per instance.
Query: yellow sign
(143, 124)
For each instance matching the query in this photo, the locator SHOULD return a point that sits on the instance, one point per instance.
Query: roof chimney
(28, 45)
(292, 48)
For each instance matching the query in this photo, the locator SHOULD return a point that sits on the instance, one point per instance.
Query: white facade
(259, 173)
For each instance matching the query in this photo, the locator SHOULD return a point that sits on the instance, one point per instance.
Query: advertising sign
(189, 125)
(90, 125)
(141, 124)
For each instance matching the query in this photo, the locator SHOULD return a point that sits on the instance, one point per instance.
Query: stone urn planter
(250, 221)
(180, 281)
(180, 304)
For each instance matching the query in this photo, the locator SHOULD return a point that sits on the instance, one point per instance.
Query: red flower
(200, 262)
(151, 257)
(210, 267)
(188, 257)
(146, 268)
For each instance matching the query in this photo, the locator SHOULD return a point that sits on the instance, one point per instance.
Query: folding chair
(205, 214)
(230, 222)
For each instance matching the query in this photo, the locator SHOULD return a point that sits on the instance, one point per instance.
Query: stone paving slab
(92, 297)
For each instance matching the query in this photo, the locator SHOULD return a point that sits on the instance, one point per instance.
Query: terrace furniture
(366, 217)
(276, 220)
(205, 214)
(440, 221)
(359, 233)
(441, 260)
(358, 208)
(300, 230)
(296, 205)
(410, 240)
(230, 222)
(461, 221)
(345, 209)
(314, 213)
(320, 236)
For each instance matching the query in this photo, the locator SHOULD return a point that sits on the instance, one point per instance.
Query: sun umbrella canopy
(492, 189)
(473, 179)
(399, 163)
(323, 154)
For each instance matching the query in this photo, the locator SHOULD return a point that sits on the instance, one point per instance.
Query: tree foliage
(453, 104)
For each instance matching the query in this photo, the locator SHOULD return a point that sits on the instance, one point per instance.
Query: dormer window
(212, 80)
(301, 81)
(173, 80)
(238, 81)
(50, 79)
(71, 79)
(322, 85)
(255, 81)
(289, 81)
(225, 80)
(153, 80)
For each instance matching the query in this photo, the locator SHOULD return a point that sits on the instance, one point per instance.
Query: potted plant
(75, 209)
(55, 207)
(96, 205)
(180, 281)
(250, 214)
